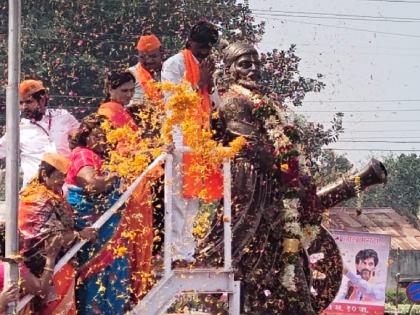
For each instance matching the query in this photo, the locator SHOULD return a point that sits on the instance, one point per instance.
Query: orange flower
(208, 153)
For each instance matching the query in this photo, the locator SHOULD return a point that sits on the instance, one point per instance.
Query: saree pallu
(103, 285)
(64, 297)
(43, 213)
(137, 223)
(137, 220)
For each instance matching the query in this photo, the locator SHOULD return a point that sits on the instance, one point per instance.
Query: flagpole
(12, 149)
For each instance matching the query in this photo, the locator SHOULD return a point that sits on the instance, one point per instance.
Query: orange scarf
(117, 115)
(192, 75)
(194, 183)
(35, 206)
(146, 80)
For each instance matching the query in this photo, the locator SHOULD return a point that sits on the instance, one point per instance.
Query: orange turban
(58, 161)
(148, 43)
(29, 87)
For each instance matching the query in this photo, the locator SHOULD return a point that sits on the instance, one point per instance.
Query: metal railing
(227, 213)
(101, 221)
(168, 201)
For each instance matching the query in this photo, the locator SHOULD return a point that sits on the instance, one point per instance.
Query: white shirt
(373, 291)
(50, 134)
(173, 70)
(138, 89)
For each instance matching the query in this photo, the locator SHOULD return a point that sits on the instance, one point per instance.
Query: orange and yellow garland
(184, 107)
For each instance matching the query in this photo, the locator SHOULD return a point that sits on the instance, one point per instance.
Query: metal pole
(12, 149)
(227, 219)
(397, 278)
(167, 258)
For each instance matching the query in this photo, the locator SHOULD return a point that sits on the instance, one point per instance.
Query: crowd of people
(65, 188)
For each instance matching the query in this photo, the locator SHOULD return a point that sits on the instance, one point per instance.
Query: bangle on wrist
(48, 269)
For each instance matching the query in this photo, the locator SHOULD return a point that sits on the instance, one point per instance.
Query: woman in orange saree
(138, 214)
(43, 216)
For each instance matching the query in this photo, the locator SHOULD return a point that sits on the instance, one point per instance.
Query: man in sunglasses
(42, 129)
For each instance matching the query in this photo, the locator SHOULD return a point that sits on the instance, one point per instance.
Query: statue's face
(246, 68)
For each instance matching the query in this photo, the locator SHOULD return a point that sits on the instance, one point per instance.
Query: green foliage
(71, 44)
(331, 167)
(391, 297)
(403, 309)
(402, 192)
(281, 75)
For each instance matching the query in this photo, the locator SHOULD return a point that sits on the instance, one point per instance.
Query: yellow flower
(120, 251)
(357, 180)
(184, 107)
(129, 235)
(201, 225)
(284, 167)
(102, 288)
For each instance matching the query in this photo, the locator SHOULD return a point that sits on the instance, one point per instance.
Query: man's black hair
(365, 254)
(204, 33)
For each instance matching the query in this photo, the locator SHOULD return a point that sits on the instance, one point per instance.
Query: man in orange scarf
(195, 65)
(147, 70)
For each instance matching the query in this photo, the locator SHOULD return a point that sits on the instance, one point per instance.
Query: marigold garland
(132, 154)
(183, 106)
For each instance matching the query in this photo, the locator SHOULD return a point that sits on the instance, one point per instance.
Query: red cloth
(117, 115)
(63, 281)
(64, 286)
(41, 212)
(2, 275)
(137, 221)
(79, 158)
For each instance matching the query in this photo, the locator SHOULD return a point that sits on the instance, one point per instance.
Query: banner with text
(365, 260)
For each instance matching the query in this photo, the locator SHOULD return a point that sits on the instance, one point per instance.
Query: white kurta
(50, 134)
(173, 70)
(184, 210)
(138, 89)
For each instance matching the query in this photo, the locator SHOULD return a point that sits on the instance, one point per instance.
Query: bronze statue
(274, 201)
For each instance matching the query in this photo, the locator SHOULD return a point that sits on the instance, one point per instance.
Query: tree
(402, 192)
(71, 44)
(331, 166)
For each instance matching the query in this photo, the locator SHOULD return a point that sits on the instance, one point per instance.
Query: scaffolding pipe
(12, 149)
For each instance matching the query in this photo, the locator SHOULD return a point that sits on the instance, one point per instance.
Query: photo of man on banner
(362, 285)
(365, 267)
